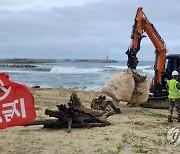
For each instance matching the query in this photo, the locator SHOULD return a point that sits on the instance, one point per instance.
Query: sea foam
(125, 67)
(74, 70)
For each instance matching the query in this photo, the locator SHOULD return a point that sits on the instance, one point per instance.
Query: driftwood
(73, 115)
(101, 103)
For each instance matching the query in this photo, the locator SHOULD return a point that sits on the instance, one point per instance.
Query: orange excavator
(164, 64)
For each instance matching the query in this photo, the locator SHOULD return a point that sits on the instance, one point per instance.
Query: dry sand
(136, 130)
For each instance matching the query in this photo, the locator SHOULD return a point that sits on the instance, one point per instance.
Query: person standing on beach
(174, 95)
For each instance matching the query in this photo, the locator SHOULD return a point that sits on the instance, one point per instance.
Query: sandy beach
(136, 130)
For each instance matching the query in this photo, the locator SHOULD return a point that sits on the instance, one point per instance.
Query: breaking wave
(117, 67)
(143, 67)
(149, 71)
(74, 70)
(125, 67)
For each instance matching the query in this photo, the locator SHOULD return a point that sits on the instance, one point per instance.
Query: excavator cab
(158, 94)
(172, 63)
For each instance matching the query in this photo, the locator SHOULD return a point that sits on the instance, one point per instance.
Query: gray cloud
(85, 29)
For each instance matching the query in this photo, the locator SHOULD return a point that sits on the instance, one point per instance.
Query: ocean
(80, 75)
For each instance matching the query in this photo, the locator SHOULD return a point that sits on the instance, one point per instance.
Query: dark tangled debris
(101, 103)
(74, 115)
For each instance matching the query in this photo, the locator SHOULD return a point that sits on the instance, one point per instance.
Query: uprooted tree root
(73, 115)
(101, 103)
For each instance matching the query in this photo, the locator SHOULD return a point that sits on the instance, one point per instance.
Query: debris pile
(73, 115)
(101, 103)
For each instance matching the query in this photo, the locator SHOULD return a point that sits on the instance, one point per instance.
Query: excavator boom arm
(141, 25)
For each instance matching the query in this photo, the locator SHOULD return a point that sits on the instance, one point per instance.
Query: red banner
(16, 103)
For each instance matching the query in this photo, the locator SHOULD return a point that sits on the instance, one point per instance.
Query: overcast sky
(88, 29)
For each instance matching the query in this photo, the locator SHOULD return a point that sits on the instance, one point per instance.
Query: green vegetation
(119, 147)
(163, 134)
(155, 115)
(107, 139)
(138, 144)
(139, 148)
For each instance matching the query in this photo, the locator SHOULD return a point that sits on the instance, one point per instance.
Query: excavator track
(156, 103)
